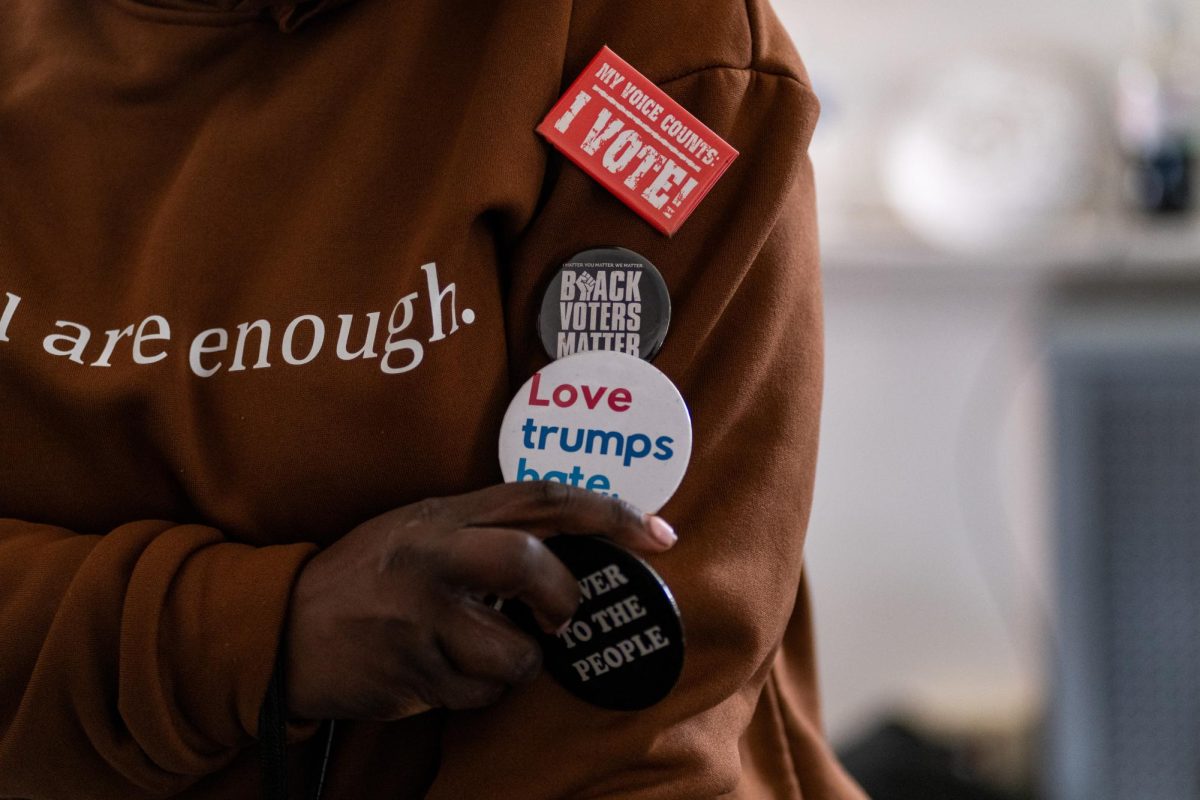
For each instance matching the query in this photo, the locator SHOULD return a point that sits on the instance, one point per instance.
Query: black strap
(272, 740)
(272, 736)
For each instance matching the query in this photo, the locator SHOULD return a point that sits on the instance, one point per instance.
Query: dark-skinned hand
(390, 621)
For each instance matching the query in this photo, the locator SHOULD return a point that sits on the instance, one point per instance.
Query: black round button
(624, 647)
(609, 298)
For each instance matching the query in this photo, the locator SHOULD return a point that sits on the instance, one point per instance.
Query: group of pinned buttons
(601, 417)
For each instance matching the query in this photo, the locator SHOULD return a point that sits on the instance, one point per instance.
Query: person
(269, 276)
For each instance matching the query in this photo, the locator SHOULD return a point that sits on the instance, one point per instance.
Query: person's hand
(390, 620)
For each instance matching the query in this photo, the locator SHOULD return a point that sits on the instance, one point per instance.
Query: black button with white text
(608, 298)
(624, 647)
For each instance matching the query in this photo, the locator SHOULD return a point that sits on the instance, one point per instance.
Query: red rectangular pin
(645, 148)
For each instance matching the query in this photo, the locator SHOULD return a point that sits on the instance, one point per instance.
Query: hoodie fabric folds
(287, 15)
(270, 269)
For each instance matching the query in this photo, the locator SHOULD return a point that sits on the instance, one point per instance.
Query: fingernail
(662, 532)
(547, 625)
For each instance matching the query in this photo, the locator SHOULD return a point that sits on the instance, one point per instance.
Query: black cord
(272, 740)
(272, 736)
(320, 789)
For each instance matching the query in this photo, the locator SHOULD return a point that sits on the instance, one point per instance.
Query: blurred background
(1005, 543)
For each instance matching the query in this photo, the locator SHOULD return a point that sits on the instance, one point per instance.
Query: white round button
(603, 421)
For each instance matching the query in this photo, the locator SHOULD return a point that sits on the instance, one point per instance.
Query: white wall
(859, 45)
(927, 548)
(928, 545)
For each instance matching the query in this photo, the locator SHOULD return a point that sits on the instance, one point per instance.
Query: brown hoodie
(238, 245)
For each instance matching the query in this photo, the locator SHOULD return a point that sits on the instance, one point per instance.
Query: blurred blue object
(1125, 711)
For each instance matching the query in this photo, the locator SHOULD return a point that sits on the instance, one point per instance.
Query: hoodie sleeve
(745, 349)
(133, 663)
